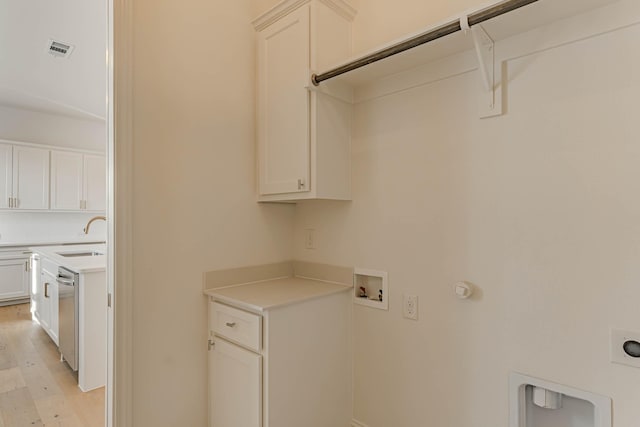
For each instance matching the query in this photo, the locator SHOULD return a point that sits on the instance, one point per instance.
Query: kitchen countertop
(261, 296)
(51, 242)
(82, 264)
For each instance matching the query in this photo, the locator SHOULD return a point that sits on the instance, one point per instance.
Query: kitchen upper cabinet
(6, 176)
(30, 178)
(66, 180)
(304, 132)
(24, 177)
(95, 183)
(78, 181)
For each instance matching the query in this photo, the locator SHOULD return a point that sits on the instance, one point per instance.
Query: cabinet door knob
(46, 290)
(231, 324)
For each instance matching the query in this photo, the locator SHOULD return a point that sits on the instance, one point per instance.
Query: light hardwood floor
(36, 389)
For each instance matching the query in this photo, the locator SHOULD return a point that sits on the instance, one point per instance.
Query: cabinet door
(6, 174)
(284, 105)
(50, 297)
(31, 177)
(66, 180)
(14, 279)
(44, 299)
(95, 183)
(235, 385)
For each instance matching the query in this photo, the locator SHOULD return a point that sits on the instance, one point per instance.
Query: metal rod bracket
(484, 46)
(490, 103)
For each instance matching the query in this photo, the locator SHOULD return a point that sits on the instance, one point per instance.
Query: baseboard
(356, 423)
(15, 302)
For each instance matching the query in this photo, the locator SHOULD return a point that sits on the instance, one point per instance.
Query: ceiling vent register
(57, 48)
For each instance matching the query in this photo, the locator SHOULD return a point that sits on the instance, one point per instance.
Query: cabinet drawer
(237, 325)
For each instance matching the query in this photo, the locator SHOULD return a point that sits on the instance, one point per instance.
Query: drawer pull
(231, 324)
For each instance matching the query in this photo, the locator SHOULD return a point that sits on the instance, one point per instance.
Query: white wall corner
(341, 7)
(287, 6)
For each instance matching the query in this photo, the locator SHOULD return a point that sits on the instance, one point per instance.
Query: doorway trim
(119, 398)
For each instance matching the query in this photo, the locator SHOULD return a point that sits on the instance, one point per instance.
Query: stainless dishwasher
(68, 284)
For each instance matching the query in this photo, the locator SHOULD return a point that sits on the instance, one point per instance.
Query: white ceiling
(31, 78)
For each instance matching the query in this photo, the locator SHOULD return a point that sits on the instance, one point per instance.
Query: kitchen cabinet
(281, 362)
(78, 181)
(24, 177)
(14, 276)
(95, 183)
(304, 132)
(237, 388)
(44, 298)
(6, 176)
(75, 312)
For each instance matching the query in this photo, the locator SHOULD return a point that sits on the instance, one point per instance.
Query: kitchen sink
(77, 254)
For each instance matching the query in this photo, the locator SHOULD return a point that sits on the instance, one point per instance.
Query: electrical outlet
(410, 306)
(310, 238)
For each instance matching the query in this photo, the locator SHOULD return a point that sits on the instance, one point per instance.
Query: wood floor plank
(11, 379)
(56, 411)
(7, 360)
(18, 409)
(36, 388)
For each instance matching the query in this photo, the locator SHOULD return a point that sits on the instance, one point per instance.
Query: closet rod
(444, 30)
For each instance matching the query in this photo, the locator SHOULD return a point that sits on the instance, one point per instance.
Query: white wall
(195, 204)
(51, 129)
(381, 21)
(47, 227)
(538, 208)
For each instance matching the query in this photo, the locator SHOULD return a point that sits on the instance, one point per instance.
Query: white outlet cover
(410, 306)
(618, 354)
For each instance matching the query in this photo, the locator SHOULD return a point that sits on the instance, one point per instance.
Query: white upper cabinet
(66, 180)
(95, 183)
(6, 176)
(24, 177)
(30, 178)
(284, 104)
(304, 132)
(78, 181)
(35, 178)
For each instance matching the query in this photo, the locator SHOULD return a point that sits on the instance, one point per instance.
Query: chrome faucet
(95, 218)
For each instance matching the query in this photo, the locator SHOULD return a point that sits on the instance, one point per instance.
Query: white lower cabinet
(14, 276)
(44, 298)
(287, 366)
(50, 301)
(237, 389)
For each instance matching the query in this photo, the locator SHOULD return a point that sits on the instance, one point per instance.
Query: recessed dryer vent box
(371, 288)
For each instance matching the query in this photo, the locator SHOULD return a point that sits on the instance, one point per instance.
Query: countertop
(261, 296)
(81, 264)
(51, 242)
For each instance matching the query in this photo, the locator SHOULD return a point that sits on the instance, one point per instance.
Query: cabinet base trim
(24, 300)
